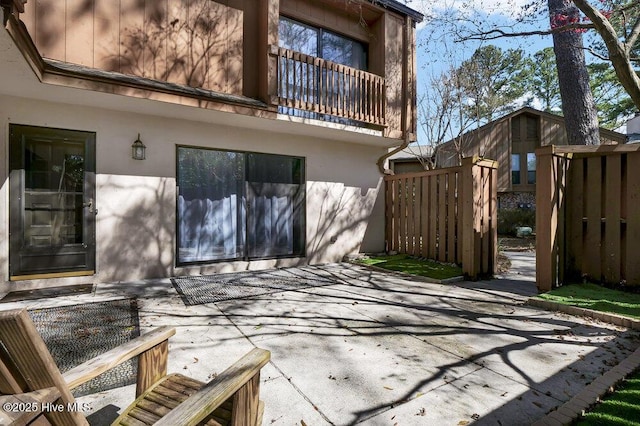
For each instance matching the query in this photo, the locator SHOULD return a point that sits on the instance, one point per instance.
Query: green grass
(621, 408)
(598, 298)
(414, 266)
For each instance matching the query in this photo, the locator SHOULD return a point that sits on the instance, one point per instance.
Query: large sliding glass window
(320, 43)
(314, 41)
(235, 205)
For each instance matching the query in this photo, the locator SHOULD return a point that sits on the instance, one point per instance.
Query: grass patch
(596, 297)
(414, 266)
(621, 408)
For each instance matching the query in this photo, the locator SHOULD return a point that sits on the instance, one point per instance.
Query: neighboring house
(633, 129)
(263, 123)
(512, 141)
(412, 159)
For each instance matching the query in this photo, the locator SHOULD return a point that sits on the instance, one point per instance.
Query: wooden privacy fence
(588, 215)
(448, 215)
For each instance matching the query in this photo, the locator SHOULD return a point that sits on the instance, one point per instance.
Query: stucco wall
(135, 229)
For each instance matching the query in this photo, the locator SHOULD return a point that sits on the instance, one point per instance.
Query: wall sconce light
(138, 149)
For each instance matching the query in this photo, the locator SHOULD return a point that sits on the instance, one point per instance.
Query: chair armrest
(199, 405)
(116, 356)
(30, 405)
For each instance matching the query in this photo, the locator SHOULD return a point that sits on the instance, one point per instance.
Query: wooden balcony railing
(317, 87)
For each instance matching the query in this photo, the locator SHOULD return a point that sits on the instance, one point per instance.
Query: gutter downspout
(405, 99)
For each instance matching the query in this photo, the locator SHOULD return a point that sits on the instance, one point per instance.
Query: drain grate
(198, 290)
(77, 333)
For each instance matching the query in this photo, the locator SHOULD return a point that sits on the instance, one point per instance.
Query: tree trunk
(578, 106)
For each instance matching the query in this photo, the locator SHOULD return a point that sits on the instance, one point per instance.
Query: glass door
(275, 194)
(52, 201)
(237, 205)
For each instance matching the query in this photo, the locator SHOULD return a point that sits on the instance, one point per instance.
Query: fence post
(549, 202)
(479, 216)
(471, 198)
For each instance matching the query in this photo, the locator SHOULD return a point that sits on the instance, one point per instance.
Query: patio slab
(381, 349)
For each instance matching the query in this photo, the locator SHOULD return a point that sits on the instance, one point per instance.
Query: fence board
(442, 218)
(485, 217)
(632, 266)
(493, 255)
(575, 215)
(433, 217)
(424, 223)
(410, 201)
(389, 206)
(561, 167)
(593, 238)
(398, 215)
(417, 216)
(452, 219)
(612, 197)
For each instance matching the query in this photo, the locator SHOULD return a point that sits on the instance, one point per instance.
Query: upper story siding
(223, 46)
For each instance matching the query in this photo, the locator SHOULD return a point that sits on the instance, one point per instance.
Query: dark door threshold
(45, 293)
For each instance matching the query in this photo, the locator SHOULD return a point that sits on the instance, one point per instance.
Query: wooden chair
(29, 375)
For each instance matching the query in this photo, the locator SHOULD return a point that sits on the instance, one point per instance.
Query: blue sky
(436, 50)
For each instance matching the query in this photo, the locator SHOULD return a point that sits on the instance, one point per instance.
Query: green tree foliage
(613, 104)
(617, 22)
(493, 81)
(612, 101)
(543, 81)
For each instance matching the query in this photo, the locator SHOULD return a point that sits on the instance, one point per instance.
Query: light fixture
(138, 149)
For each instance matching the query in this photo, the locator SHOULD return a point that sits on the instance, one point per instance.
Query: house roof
(610, 134)
(401, 8)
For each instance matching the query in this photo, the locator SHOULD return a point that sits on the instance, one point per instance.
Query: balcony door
(52, 202)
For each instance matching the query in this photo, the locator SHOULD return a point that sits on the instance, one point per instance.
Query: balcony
(316, 87)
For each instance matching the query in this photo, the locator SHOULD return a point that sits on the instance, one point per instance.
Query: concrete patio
(380, 349)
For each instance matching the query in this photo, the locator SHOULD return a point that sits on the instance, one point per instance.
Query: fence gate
(588, 215)
(448, 215)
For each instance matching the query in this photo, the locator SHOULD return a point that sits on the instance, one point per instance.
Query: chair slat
(27, 356)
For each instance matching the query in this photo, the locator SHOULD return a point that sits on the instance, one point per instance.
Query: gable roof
(606, 133)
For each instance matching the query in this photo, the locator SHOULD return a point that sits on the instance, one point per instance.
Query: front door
(52, 202)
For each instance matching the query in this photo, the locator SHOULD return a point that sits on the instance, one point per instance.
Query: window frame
(244, 215)
(530, 171)
(514, 172)
(320, 31)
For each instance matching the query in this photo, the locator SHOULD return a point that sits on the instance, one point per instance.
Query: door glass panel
(210, 205)
(297, 36)
(274, 194)
(52, 208)
(342, 50)
(53, 194)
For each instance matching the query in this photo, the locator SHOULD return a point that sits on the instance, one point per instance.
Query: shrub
(510, 219)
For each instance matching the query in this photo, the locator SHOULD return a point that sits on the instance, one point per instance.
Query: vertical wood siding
(198, 43)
